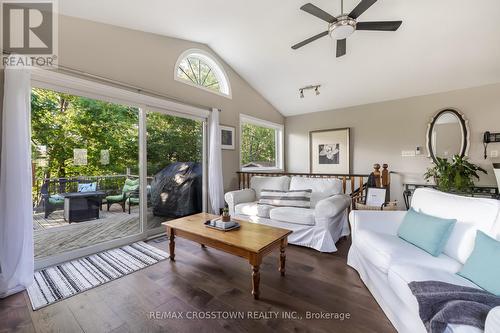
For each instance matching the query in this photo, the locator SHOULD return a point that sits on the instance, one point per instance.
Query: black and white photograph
(227, 137)
(328, 153)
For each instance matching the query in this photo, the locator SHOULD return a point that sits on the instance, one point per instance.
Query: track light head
(301, 93)
(317, 91)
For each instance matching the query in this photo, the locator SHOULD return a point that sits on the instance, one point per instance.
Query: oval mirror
(447, 135)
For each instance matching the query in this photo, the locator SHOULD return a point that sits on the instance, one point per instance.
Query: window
(261, 144)
(200, 69)
(128, 147)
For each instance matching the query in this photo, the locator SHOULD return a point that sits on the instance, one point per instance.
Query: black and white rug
(55, 283)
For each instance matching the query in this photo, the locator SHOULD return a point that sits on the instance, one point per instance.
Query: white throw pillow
(322, 188)
(277, 198)
(258, 183)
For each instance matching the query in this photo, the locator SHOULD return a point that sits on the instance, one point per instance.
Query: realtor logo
(29, 33)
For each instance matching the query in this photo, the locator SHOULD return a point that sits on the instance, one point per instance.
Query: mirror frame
(464, 124)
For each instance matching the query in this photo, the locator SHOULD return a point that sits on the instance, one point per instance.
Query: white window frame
(216, 67)
(279, 132)
(64, 83)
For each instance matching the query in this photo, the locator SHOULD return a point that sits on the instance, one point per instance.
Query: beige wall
(379, 132)
(147, 61)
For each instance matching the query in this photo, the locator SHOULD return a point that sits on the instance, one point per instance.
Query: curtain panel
(215, 181)
(16, 207)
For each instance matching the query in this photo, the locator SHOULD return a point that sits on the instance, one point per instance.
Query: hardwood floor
(207, 281)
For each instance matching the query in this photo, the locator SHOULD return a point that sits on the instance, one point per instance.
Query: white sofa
(386, 263)
(319, 227)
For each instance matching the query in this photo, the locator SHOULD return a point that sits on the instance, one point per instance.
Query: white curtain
(215, 182)
(16, 224)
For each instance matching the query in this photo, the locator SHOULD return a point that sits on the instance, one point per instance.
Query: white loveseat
(386, 263)
(319, 227)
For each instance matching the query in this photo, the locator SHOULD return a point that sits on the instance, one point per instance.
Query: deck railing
(111, 184)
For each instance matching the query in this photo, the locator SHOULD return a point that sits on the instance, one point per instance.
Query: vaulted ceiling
(442, 45)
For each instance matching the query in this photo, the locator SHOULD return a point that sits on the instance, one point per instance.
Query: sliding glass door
(105, 174)
(85, 161)
(174, 167)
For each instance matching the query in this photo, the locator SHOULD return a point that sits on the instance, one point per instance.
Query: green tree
(258, 144)
(172, 139)
(61, 123)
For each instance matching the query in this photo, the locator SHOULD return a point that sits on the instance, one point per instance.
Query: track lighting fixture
(315, 87)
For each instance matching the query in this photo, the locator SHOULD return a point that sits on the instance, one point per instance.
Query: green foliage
(63, 122)
(455, 176)
(258, 144)
(172, 139)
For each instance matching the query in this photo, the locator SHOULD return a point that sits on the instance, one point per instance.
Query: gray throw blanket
(443, 303)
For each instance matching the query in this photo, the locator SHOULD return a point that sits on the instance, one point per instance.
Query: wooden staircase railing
(352, 184)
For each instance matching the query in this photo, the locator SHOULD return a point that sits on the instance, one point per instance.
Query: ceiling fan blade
(341, 47)
(379, 26)
(319, 13)
(361, 8)
(309, 40)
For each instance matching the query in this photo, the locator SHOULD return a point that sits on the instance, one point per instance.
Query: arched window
(200, 69)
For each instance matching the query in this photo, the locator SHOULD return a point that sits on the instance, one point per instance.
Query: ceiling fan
(343, 26)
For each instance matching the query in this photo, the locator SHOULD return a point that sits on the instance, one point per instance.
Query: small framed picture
(227, 137)
(375, 196)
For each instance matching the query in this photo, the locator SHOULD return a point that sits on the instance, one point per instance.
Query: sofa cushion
(384, 250)
(427, 232)
(472, 214)
(258, 183)
(87, 187)
(400, 275)
(297, 198)
(294, 215)
(321, 187)
(246, 208)
(483, 267)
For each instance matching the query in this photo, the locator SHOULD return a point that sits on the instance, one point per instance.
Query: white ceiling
(442, 45)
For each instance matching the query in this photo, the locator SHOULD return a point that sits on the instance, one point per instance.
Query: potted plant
(225, 215)
(456, 175)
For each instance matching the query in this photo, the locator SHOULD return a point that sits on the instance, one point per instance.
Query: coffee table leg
(172, 245)
(282, 257)
(255, 281)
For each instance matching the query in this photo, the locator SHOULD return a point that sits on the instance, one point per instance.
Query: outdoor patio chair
(123, 198)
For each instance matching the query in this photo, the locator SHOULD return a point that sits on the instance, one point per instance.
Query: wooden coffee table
(251, 241)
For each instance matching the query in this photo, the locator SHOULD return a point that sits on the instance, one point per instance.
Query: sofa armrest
(236, 197)
(332, 206)
(386, 222)
(492, 324)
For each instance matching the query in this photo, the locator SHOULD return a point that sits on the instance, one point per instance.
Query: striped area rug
(65, 280)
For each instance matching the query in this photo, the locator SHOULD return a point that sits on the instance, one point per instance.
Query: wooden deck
(210, 280)
(53, 235)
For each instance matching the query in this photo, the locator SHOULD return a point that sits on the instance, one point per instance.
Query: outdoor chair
(126, 195)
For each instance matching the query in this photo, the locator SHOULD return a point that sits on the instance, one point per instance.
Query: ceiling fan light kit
(343, 26)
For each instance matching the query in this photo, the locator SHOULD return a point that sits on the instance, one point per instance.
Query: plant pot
(226, 218)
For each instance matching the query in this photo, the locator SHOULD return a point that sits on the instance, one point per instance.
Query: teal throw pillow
(483, 265)
(427, 232)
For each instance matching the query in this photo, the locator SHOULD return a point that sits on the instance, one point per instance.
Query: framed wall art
(227, 137)
(330, 151)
